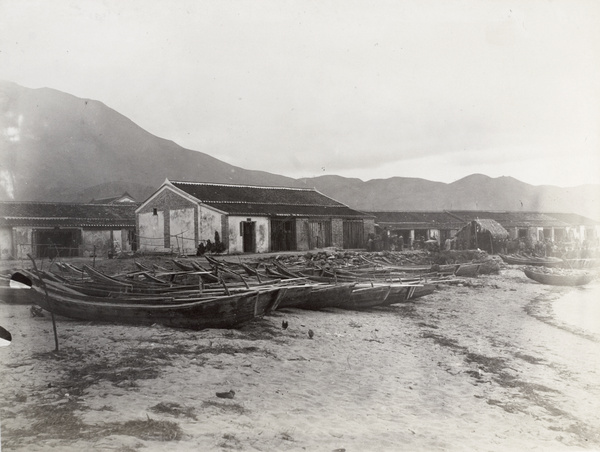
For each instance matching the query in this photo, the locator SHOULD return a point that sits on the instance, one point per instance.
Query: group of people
(385, 242)
(210, 247)
(572, 249)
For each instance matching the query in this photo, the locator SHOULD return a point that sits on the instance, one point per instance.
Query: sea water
(581, 308)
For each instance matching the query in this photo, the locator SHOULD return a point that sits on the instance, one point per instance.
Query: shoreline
(465, 368)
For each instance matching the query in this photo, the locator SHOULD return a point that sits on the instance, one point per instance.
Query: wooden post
(47, 297)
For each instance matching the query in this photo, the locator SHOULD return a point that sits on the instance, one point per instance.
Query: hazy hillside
(475, 192)
(58, 147)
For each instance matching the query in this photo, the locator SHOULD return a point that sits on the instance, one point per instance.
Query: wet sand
(483, 367)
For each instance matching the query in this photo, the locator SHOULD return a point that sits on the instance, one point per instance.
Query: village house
(180, 216)
(125, 197)
(48, 229)
(495, 227)
(484, 234)
(533, 227)
(411, 229)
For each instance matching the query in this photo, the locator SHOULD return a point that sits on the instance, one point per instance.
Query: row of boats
(554, 271)
(222, 294)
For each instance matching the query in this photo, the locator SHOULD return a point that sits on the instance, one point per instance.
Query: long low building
(532, 227)
(181, 216)
(47, 229)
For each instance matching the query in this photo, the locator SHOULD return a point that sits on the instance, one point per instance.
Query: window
(155, 211)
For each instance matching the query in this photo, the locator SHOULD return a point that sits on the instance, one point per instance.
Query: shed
(484, 234)
(181, 215)
(48, 229)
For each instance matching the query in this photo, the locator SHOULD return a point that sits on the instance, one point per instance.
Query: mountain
(474, 192)
(58, 147)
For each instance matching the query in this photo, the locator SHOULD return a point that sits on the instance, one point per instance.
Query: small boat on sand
(560, 279)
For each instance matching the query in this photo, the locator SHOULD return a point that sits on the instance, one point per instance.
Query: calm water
(581, 308)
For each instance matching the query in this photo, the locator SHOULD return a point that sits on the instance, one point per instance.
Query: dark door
(319, 234)
(283, 235)
(57, 242)
(249, 236)
(354, 232)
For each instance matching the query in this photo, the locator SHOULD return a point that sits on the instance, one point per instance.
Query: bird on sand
(311, 333)
(284, 325)
(226, 395)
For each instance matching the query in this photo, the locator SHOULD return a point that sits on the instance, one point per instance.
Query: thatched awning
(493, 227)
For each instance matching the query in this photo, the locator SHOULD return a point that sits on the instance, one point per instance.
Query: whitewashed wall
(6, 251)
(209, 221)
(236, 240)
(183, 230)
(151, 231)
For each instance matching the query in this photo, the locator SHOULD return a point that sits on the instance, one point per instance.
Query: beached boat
(556, 279)
(200, 312)
(399, 293)
(365, 297)
(14, 290)
(468, 270)
(321, 296)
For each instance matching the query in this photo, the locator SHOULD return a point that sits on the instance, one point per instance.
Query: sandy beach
(484, 366)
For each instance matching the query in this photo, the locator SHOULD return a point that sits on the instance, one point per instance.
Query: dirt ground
(484, 366)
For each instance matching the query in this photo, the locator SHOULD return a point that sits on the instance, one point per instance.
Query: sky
(435, 89)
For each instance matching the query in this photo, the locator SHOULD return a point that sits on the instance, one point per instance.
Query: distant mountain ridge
(58, 147)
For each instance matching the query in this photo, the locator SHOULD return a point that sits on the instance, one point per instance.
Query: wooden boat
(468, 270)
(422, 290)
(365, 297)
(321, 296)
(399, 293)
(199, 313)
(14, 289)
(579, 279)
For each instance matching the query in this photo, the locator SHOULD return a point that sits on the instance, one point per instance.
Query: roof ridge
(267, 187)
(337, 204)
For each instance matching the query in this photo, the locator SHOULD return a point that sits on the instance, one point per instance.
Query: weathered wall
(151, 231)
(337, 232)
(22, 238)
(6, 248)
(155, 234)
(183, 230)
(236, 240)
(100, 239)
(302, 234)
(210, 221)
(369, 224)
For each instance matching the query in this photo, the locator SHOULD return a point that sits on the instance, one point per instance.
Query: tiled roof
(125, 197)
(66, 214)
(574, 219)
(295, 210)
(454, 219)
(271, 201)
(417, 220)
(512, 219)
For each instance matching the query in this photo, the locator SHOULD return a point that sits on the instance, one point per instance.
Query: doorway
(249, 236)
(53, 243)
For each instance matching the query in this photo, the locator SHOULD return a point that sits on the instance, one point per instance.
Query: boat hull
(559, 280)
(217, 312)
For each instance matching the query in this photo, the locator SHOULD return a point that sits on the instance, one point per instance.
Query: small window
(155, 211)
